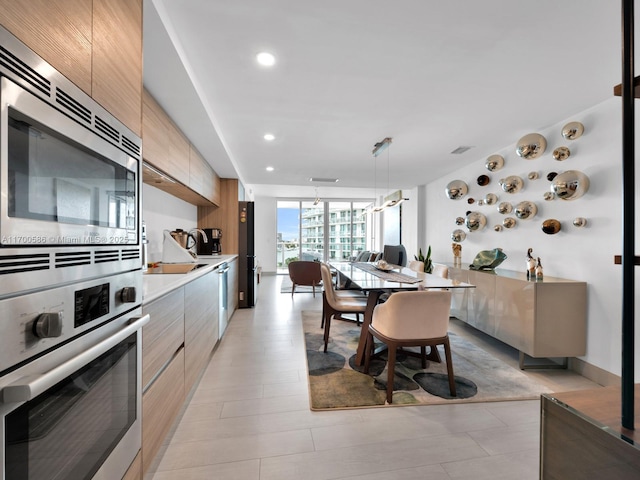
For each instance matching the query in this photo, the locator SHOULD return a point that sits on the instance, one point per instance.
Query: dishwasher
(223, 303)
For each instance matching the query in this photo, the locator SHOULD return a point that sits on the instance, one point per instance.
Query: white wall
(584, 254)
(162, 211)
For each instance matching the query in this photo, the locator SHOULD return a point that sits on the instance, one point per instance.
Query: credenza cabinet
(545, 318)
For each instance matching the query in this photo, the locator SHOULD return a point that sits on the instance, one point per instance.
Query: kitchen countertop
(156, 285)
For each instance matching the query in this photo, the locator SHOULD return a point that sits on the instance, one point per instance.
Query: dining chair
(411, 319)
(395, 254)
(416, 265)
(338, 302)
(440, 270)
(304, 272)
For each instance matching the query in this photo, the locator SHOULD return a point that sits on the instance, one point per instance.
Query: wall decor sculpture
(531, 146)
(505, 207)
(490, 199)
(509, 222)
(526, 210)
(456, 189)
(459, 220)
(532, 176)
(512, 184)
(551, 226)
(548, 196)
(572, 130)
(494, 163)
(551, 176)
(561, 153)
(570, 185)
(483, 180)
(458, 236)
(580, 222)
(475, 221)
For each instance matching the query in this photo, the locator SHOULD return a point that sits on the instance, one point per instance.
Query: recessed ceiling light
(270, 169)
(266, 59)
(269, 137)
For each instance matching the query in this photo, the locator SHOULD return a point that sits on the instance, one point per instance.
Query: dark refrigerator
(247, 278)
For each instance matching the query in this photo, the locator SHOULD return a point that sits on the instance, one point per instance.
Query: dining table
(376, 281)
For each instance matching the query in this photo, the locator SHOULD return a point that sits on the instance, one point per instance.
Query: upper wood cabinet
(163, 145)
(116, 76)
(97, 44)
(202, 178)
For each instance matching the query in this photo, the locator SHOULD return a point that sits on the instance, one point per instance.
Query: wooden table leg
(372, 301)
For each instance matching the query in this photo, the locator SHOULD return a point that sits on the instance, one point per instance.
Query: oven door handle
(27, 388)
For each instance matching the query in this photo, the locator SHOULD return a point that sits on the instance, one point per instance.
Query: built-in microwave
(70, 179)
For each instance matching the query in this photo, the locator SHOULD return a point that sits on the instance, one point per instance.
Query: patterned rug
(336, 382)
(286, 285)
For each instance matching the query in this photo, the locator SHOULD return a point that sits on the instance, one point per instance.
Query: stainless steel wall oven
(70, 278)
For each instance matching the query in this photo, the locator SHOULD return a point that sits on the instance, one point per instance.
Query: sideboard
(540, 318)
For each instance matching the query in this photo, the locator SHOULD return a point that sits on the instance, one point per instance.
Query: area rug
(336, 382)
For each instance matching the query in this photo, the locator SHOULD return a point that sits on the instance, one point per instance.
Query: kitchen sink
(172, 268)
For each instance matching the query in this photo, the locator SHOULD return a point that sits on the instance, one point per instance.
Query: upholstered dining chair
(411, 319)
(395, 254)
(416, 265)
(303, 272)
(337, 302)
(440, 270)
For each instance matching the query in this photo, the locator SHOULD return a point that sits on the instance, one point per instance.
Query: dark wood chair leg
(327, 328)
(391, 365)
(368, 352)
(452, 378)
(423, 356)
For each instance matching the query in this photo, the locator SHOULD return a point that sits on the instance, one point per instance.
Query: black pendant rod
(628, 215)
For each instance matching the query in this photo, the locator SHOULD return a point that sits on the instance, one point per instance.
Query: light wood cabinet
(116, 77)
(200, 324)
(97, 44)
(161, 404)
(202, 179)
(163, 335)
(163, 145)
(545, 318)
(60, 31)
(226, 216)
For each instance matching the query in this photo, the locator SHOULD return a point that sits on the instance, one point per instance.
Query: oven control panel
(36, 322)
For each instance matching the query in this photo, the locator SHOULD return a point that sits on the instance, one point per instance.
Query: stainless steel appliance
(223, 303)
(247, 276)
(209, 243)
(69, 177)
(71, 380)
(70, 278)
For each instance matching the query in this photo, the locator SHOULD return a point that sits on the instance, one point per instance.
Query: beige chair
(411, 319)
(440, 270)
(416, 265)
(336, 303)
(303, 272)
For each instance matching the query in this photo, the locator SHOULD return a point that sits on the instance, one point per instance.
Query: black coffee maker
(212, 247)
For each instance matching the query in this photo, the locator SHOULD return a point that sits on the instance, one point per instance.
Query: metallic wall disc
(531, 146)
(512, 184)
(572, 130)
(458, 236)
(561, 153)
(497, 228)
(570, 185)
(460, 221)
(456, 189)
(551, 226)
(494, 163)
(490, 199)
(580, 222)
(532, 176)
(526, 210)
(551, 176)
(475, 221)
(505, 207)
(509, 222)
(548, 196)
(483, 180)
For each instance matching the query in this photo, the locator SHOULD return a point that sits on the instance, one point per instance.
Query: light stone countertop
(155, 285)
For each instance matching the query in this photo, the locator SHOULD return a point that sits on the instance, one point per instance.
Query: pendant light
(395, 198)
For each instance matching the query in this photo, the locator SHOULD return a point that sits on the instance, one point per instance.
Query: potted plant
(426, 259)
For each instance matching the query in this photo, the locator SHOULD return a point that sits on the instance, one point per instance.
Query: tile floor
(249, 418)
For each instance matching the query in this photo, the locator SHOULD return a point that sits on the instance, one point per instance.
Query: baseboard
(593, 373)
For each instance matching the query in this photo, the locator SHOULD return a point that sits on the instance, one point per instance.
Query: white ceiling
(432, 74)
